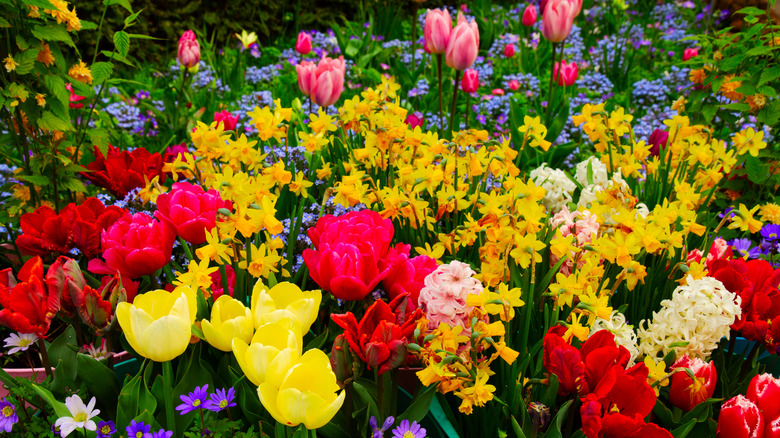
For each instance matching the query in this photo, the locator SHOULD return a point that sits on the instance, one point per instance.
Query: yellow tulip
(229, 319)
(275, 347)
(307, 393)
(285, 300)
(158, 324)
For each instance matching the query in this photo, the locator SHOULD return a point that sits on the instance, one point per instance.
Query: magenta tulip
(514, 85)
(226, 119)
(565, 74)
(557, 20)
(463, 45)
(414, 120)
(190, 210)
(690, 53)
(303, 44)
(529, 16)
(470, 81)
(189, 50)
(509, 50)
(438, 27)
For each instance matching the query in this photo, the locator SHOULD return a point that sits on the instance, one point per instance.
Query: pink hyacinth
(445, 294)
(190, 210)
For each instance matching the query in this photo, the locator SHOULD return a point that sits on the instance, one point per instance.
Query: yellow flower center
(8, 411)
(23, 342)
(196, 403)
(223, 404)
(80, 417)
(408, 434)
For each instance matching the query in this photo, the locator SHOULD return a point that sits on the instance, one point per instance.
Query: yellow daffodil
(247, 39)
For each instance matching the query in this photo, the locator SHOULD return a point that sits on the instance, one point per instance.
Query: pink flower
(470, 82)
(414, 120)
(406, 275)
(189, 50)
(558, 19)
(217, 288)
(303, 44)
(227, 120)
(568, 73)
(323, 82)
(509, 50)
(305, 70)
(513, 85)
(74, 98)
(463, 45)
(190, 210)
(690, 53)
(529, 16)
(347, 252)
(445, 293)
(497, 92)
(135, 245)
(438, 26)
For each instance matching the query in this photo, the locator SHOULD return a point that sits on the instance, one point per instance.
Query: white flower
(624, 332)
(81, 416)
(598, 173)
(558, 186)
(692, 322)
(20, 342)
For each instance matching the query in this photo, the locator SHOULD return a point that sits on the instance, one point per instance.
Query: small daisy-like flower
(41, 99)
(81, 416)
(45, 56)
(10, 64)
(159, 434)
(81, 73)
(409, 430)
(20, 342)
(98, 353)
(220, 400)
(105, 429)
(193, 400)
(7, 415)
(137, 430)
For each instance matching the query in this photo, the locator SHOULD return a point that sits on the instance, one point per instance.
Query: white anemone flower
(81, 416)
(20, 342)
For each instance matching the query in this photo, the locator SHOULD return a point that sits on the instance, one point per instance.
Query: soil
(735, 5)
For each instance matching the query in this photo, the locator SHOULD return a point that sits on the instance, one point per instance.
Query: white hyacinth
(694, 320)
(558, 186)
(624, 332)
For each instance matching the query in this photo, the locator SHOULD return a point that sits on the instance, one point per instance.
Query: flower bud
(529, 16)
(470, 81)
(303, 44)
(341, 359)
(509, 50)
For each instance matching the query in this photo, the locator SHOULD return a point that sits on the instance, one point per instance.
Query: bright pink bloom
(438, 27)
(658, 139)
(227, 119)
(557, 20)
(323, 82)
(568, 73)
(406, 275)
(470, 81)
(217, 288)
(188, 35)
(463, 45)
(414, 120)
(190, 210)
(74, 98)
(303, 44)
(136, 245)
(690, 53)
(764, 391)
(740, 418)
(305, 70)
(445, 294)
(529, 16)
(683, 393)
(514, 85)
(497, 92)
(509, 50)
(189, 50)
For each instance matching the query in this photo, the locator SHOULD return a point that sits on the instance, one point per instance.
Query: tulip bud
(509, 50)
(470, 81)
(565, 74)
(513, 85)
(189, 50)
(296, 105)
(227, 120)
(764, 391)
(658, 139)
(690, 53)
(303, 44)
(463, 45)
(529, 15)
(414, 120)
(341, 359)
(438, 27)
(558, 20)
(740, 418)
(497, 92)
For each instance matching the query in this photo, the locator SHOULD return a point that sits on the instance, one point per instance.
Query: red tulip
(45, 232)
(91, 218)
(97, 307)
(384, 331)
(64, 278)
(565, 74)
(772, 429)
(27, 307)
(514, 85)
(618, 425)
(227, 120)
(740, 418)
(470, 81)
(122, 171)
(134, 246)
(658, 139)
(406, 275)
(217, 288)
(690, 53)
(684, 392)
(190, 210)
(189, 50)
(438, 27)
(764, 391)
(463, 45)
(303, 44)
(557, 20)
(509, 50)
(529, 16)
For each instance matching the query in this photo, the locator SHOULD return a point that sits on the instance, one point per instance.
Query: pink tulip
(189, 50)
(303, 45)
(327, 81)
(190, 210)
(557, 20)
(529, 16)
(74, 98)
(306, 76)
(690, 53)
(509, 50)
(497, 92)
(463, 45)
(514, 85)
(227, 120)
(438, 27)
(568, 73)
(470, 81)
(136, 245)
(414, 120)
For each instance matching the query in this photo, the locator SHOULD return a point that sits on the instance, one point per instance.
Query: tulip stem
(168, 390)
(454, 101)
(441, 117)
(468, 103)
(44, 357)
(550, 88)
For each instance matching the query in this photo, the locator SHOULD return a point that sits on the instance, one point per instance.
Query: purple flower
(742, 247)
(137, 429)
(193, 400)
(8, 417)
(771, 232)
(159, 434)
(105, 429)
(220, 400)
(376, 431)
(728, 212)
(407, 430)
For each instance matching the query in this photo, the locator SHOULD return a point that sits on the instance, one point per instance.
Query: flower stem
(454, 101)
(44, 357)
(168, 390)
(550, 87)
(438, 63)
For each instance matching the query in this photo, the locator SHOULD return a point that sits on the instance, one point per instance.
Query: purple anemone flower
(7, 415)
(220, 400)
(137, 429)
(409, 430)
(193, 400)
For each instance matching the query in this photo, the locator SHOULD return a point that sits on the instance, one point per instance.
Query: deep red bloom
(740, 418)
(764, 391)
(381, 336)
(97, 307)
(122, 171)
(64, 278)
(622, 426)
(190, 210)
(406, 275)
(45, 232)
(91, 218)
(217, 289)
(683, 391)
(27, 307)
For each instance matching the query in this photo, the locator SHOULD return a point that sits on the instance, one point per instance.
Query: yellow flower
(274, 348)
(656, 374)
(41, 99)
(198, 275)
(576, 329)
(81, 73)
(247, 39)
(10, 64)
(527, 250)
(770, 213)
(285, 300)
(45, 56)
(743, 219)
(229, 320)
(214, 249)
(261, 262)
(749, 141)
(307, 394)
(300, 184)
(158, 323)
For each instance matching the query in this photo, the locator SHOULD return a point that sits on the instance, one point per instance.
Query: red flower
(381, 337)
(122, 171)
(27, 307)
(683, 391)
(623, 426)
(191, 210)
(97, 307)
(217, 289)
(764, 391)
(64, 278)
(406, 275)
(91, 218)
(45, 232)
(740, 418)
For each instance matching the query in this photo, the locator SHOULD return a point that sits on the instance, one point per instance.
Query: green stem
(170, 418)
(187, 250)
(45, 357)
(454, 101)
(550, 87)
(441, 117)
(99, 33)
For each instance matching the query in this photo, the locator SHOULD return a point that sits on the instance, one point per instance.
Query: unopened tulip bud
(341, 359)
(690, 53)
(529, 16)
(509, 50)
(470, 82)
(303, 44)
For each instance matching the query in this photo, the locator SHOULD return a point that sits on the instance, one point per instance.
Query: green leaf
(73, 184)
(17, 91)
(555, 432)
(122, 42)
(26, 61)
(756, 170)
(353, 48)
(59, 408)
(54, 32)
(99, 138)
(750, 10)
(4, 22)
(43, 4)
(101, 382)
(88, 25)
(516, 427)
(760, 50)
(56, 87)
(101, 71)
(769, 75)
(130, 20)
(51, 122)
(123, 3)
(38, 180)
(116, 57)
(420, 406)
